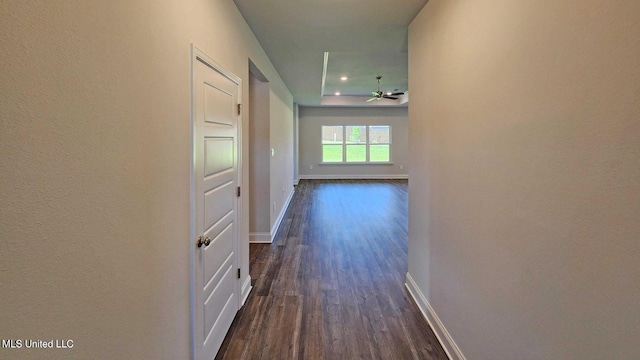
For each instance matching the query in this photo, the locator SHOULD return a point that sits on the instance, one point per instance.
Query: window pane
(332, 135)
(380, 134)
(356, 135)
(356, 153)
(332, 153)
(379, 153)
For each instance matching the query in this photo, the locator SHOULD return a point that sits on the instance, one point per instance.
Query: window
(379, 143)
(356, 144)
(332, 143)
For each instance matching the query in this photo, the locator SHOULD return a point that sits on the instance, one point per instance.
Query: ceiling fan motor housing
(377, 95)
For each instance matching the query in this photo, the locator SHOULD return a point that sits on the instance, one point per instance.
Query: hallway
(331, 286)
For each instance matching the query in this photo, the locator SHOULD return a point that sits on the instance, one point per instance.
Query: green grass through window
(379, 153)
(355, 153)
(331, 153)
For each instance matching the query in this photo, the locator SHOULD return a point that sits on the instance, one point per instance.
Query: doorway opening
(259, 157)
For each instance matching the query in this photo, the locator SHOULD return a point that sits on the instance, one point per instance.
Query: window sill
(356, 163)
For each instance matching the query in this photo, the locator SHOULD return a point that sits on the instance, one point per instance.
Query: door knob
(206, 241)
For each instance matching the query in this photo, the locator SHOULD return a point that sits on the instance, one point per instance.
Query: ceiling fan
(377, 95)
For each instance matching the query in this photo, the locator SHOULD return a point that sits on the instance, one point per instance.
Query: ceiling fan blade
(390, 97)
(375, 93)
(373, 98)
(397, 93)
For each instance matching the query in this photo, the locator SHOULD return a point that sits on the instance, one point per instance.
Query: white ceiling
(363, 39)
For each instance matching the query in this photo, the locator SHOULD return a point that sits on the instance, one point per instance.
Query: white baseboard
(450, 347)
(268, 237)
(260, 238)
(246, 289)
(276, 225)
(354, 177)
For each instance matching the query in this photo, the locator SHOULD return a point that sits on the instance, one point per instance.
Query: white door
(215, 169)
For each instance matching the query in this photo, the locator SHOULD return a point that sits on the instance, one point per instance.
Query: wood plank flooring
(331, 286)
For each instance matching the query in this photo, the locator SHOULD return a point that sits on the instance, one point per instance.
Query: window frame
(367, 144)
(346, 145)
(322, 144)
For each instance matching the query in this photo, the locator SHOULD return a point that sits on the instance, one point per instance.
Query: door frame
(198, 55)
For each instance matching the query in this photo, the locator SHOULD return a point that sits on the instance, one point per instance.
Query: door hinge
(239, 108)
(239, 273)
(238, 191)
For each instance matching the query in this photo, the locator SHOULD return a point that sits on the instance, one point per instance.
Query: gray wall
(524, 215)
(313, 118)
(296, 148)
(95, 169)
(281, 141)
(259, 158)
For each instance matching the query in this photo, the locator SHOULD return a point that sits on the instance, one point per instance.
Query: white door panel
(218, 203)
(218, 155)
(218, 297)
(212, 342)
(217, 103)
(218, 252)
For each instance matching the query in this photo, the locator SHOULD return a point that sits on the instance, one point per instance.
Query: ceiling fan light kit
(377, 95)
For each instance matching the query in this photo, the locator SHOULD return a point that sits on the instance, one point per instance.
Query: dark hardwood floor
(331, 286)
